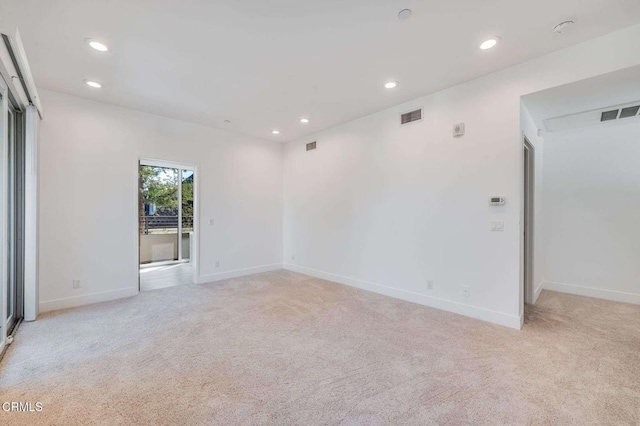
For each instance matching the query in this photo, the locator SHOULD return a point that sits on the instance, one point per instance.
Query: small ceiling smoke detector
(562, 26)
(391, 85)
(275, 132)
(227, 121)
(97, 45)
(93, 84)
(405, 14)
(488, 44)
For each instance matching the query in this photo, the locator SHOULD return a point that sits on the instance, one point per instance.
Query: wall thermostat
(497, 201)
(458, 130)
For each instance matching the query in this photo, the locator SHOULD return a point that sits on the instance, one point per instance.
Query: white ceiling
(263, 64)
(571, 101)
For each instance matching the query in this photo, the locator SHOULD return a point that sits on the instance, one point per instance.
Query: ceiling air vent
(311, 146)
(411, 116)
(629, 111)
(609, 115)
(593, 117)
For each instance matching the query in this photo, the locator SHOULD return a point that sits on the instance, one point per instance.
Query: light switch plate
(497, 226)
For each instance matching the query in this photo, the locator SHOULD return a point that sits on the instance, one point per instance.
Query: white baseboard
(202, 279)
(616, 296)
(537, 291)
(511, 321)
(86, 299)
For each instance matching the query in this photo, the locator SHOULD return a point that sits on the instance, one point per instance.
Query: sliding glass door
(165, 214)
(14, 216)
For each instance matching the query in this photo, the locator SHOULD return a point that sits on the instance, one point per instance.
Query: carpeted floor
(284, 348)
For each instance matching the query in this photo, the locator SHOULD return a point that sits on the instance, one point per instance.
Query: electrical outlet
(217, 263)
(210, 221)
(430, 285)
(466, 291)
(76, 284)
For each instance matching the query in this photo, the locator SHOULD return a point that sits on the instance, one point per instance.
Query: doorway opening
(586, 133)
(167, 235)
(528, 219)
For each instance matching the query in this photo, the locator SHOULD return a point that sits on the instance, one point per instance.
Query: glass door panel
(10, 308)
(159, 214)
(15, 218)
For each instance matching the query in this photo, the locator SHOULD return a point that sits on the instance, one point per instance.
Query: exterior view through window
(165, 225)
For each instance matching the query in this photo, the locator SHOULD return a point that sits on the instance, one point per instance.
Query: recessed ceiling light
(391, 84)
(97, 45)
(275, 132)
(404, 14)
(304, 120)
(93, 84)
(488, 44)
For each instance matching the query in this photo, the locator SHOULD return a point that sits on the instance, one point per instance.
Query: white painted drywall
(591, 207)
(88, 197)
(388, 208)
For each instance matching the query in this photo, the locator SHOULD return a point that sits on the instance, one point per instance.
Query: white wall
(88, 197)
(591, 211)
(388, 208)
(379, 206)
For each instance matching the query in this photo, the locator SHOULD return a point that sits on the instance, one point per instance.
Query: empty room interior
(320, 212)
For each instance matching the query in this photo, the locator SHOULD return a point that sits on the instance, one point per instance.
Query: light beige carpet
(283, 348)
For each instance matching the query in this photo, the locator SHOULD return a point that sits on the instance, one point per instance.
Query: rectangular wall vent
(609, 115)
(411, 116)
(311, 146)
(629, 111)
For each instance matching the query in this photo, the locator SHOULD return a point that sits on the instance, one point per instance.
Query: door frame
(13, 246)
(528, 219)
(4, 174)
(193, 257)
(15, 198)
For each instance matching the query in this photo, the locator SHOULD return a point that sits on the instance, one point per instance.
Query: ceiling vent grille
(615, 114)
(609, 115)
(629, 111)
(311, 146)
(411, 117)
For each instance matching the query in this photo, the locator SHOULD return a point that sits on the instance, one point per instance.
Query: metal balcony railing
(147, 223)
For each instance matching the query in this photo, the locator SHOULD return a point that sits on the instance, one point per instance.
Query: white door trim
(529, 153)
